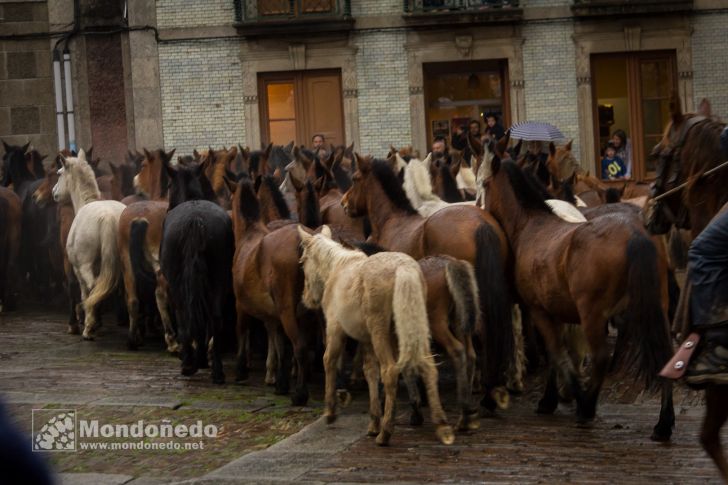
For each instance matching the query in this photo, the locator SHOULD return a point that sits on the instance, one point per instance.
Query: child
(613, 167)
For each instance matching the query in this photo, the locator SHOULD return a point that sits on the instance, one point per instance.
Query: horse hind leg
(160, 295)
(371, 374)
(413, 391)
(429, 375)
(335, 339)
(716, 414)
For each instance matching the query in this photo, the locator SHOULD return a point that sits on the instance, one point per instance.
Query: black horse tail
(463, 288)
(192, 288)
(647, 334)
(145, 281)
(495, 305)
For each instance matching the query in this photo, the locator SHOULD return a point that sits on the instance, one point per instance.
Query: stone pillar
(685, 74)
(351, 102)
(144, 66)
(586, 114)
(418, 116)
(252, 112)
(515, 75)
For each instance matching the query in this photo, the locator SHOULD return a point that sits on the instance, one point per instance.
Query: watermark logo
(63, 430)
(54, 429)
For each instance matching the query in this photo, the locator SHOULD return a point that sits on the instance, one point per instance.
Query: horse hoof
(661, 434)
(445, 435)
(189, 371)
(546, 407)
(330, 418)
(469, 422)
(219, 379)
(373, 429)
(501, 397)
(74, 330)
(299, 398)
(343, 397)
(88, 337)
(383, 438)
(584, 422)
(416, 419)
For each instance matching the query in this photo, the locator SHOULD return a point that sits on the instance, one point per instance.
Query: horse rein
(688, 182)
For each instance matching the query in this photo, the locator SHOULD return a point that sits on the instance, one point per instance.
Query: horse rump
(647, 337)
(144, 278)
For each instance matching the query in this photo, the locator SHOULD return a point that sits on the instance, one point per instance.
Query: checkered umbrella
(535, 131)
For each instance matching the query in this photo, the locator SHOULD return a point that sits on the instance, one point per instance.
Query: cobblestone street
(42, 367)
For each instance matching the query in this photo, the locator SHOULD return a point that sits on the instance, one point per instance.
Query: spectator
(493, 128)
(317, 145)
(623, 149)
(17, 462)
(439, 147)
(460, 139)
(613, 167)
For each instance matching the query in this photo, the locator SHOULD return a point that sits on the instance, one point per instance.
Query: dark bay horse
(584, 273)
(463, 232)
(10, 221)
(195, 259)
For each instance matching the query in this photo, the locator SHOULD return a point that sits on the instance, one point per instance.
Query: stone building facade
(198, 81)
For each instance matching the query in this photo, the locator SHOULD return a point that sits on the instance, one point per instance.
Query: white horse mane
(80, 181)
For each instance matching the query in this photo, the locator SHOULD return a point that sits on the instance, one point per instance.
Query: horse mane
(277, 197)
(311, 214)
(247, 201)
(391, 185)
(331, 253)
(528, 191)
(450, 191)
(341, 177)
(567, 192)
(417, 179)
(703, 145)
(369, 248)
(612, 196)
(84, 179)
(163, 177)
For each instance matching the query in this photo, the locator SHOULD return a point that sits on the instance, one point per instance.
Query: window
(632, 93)
(294, 106)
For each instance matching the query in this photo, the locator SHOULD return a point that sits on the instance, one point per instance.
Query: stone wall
(202, 94)
(27, 105)
(549, 71)
(197, 13)
(384, 114)
(710, 61)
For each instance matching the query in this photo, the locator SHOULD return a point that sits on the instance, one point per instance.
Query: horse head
(14, 167)
(152, 181)
(188, 182)
(76, 181)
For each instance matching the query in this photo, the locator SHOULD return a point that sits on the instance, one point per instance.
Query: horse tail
(110, 262)
(191, 287)
(144, 279)
(411, 325)
(463, 288)
(495, 305)
(646, 331)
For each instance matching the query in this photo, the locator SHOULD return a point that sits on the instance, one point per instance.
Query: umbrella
(535, 131)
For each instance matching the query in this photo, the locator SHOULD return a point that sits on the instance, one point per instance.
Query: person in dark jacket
(17, 463)
(493, 128)
(708, 275)
(460, 139)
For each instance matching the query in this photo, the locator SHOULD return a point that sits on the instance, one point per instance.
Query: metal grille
(456, 5)
(252, 10)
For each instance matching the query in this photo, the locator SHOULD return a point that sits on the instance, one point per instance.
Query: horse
(268, 282)
(64, 215)
(453, 312)
(139, 239)
(372, 298)
(195, 257)
(92, 246)
(551, 257)
(464, 232)
(11, 221)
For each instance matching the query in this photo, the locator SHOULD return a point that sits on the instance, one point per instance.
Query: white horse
(92, 246)
(361, 296)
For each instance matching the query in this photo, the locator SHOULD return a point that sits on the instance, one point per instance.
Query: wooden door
(295, 106)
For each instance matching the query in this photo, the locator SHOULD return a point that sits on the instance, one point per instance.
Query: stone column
(252, 114)
(515, 75)
(586, 113)
(418, 118)
(351, 102)
(144, 66)
(685, 75)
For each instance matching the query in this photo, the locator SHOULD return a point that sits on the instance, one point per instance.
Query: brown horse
(463, 232)
(268, 283)
(444, 172)
(11, 221)
(139, 239)
(574, 273)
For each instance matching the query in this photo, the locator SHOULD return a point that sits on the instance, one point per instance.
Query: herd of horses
(490, 259)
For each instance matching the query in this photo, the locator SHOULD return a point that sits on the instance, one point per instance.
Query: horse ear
(233, 152)
(552, 149)
(170, 154)
(6, 146)
(427, 160)
(268, 149)
(500, 147)
(89, 153)
(147, 155)
(289, 147)
(296, 153)
(568, 145)
(232, 186)
(81, 155)
(25, 147)
(363, 164)
(326, 232)
(303, 234)
(196, 154)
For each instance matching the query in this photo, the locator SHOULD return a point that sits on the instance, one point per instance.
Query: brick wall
(384, 115)
(710, 61)
(549, 69)
(186, 13)
(371, 8)
(202, 97)
(27, 105)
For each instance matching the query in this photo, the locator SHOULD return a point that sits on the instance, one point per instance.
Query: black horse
(196, 259)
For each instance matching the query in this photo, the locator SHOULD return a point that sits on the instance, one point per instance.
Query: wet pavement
(263, 440)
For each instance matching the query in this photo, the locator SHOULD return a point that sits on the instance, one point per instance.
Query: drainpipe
(69, 99)
(58, 88)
